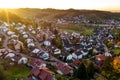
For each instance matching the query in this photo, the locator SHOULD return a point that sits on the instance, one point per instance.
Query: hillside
(23, 14)
(51, 14)
(8, 16)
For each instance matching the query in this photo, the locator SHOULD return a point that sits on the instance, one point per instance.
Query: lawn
(13, 71)
(86, 30)
(17, 71)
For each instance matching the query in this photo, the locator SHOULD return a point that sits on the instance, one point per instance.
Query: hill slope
(51, 14)
(9, 16)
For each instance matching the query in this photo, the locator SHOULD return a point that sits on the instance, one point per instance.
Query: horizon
(108, 5)
(112, 10)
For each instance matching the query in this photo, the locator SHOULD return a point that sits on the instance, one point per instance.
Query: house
(19, 23)
(19, 59)
(96, 50)
(47, 43)
(16, 58)
(25, 36)
(24, 33)
(33, 32)
(0, 39)
(30, 45)
(29, 40)
(43, 55)
(23, 60)
(20, 31)
(63, 68)
(10, 33)
(1, 52)
(76, 62)
(18, 45)
(5, 24)
(5, 29)
(35, 51)
(57, 51)
(38, 28)
(14, 36)
(77, 55)
(40, 54)
(100, 57)
(36, 62)
(84, 51)
(69, 57)
(89, 47)
(5, 52)
(107, 54)
(42, 73)
(110, 37)
(84, 43)
(10, 55)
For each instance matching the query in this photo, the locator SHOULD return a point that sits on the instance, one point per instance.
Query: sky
(62, 4)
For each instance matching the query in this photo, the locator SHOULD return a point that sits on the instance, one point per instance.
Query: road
(39, 46)
(24, 55)
(36, 41)
(5, 40)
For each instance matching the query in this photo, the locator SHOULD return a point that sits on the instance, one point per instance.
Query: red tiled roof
(35, 62)
(35, 71)
(76, 62)
(100, 56)
(65, 69)
(43, 73)
(46, 74)
(17, 57)
(4, 54)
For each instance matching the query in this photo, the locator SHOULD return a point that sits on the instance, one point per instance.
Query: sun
(10, 3)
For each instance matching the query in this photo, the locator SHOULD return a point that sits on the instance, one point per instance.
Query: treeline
(55, 14)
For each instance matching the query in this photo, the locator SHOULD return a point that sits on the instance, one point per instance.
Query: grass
(116, 51)
(17, 71)
(86, 30)
(61, 77)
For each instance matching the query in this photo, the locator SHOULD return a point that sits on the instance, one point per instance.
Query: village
(48, 52)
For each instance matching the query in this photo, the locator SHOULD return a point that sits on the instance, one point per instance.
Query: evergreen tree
(2, 74)
(91, 70)
(107, 64)
(107, 68)
(82, 72)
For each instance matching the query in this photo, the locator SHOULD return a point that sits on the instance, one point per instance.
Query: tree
(60, 77)
(2, 74)
(118, 43)
(57, 42)
(110, 45)
(91, 70)
(116, 64)
(55, 31)
(44, 37)
(82, 72)
(107, 68)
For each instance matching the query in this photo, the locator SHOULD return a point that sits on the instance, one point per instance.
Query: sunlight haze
(62, 4)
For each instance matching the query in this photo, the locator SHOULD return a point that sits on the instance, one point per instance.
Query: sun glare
(5, 4)
(61, 4)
